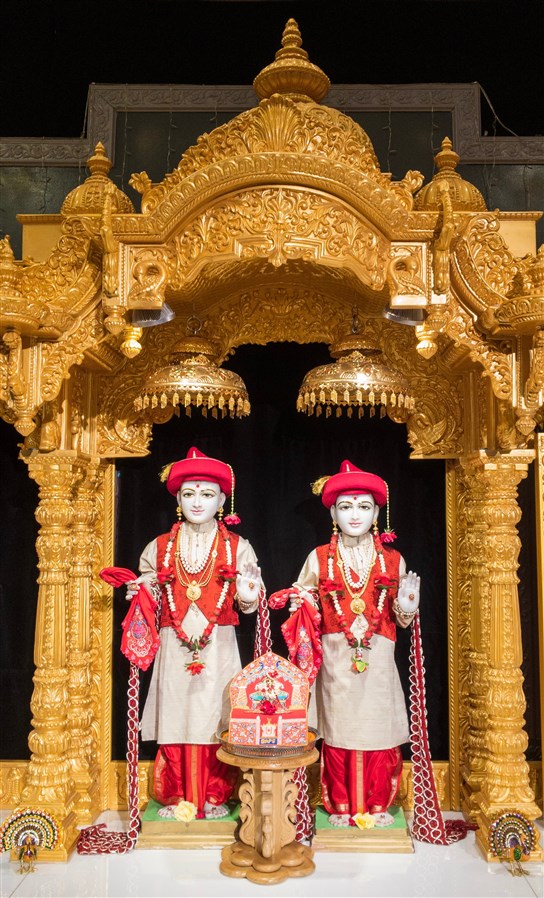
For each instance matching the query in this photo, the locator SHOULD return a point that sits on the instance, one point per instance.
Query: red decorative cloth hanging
(301, 632)
(428, 824)
(140, 640)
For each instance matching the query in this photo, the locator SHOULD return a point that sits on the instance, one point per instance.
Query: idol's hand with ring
(297, 597)
(249, 583)
(132, 588)
(408, 594)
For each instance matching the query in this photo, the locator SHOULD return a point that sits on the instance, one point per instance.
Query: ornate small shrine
(278, 225)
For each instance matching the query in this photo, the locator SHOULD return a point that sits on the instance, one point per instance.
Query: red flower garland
(382, 581)
(165, 576)
(228, 572)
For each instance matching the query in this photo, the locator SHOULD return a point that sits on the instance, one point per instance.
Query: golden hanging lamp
(359, 377)
(193, 378)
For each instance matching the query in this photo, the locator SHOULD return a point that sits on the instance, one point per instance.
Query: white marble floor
(455, 871)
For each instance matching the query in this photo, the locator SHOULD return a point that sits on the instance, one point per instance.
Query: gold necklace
(357, 604)
(193, 588)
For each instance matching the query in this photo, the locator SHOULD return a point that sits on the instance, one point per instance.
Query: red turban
(352, 480)
(197, 466)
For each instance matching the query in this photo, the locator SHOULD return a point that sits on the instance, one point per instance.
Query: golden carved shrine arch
(271, 229)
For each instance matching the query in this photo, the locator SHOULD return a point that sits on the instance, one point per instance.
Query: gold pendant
(193, 592)
(358, 605)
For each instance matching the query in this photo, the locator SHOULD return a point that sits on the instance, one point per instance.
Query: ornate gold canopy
(273, 227)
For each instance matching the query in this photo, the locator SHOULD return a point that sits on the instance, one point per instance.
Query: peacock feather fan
(42, 826)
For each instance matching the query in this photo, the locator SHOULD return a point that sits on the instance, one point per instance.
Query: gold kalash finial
(292, 73)
(465, 197)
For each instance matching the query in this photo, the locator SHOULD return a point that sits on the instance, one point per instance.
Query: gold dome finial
(88, 198)
(291, 41)
(98, 163)
(10, 272)
(292, 73)
(447, 159)
(464, 195)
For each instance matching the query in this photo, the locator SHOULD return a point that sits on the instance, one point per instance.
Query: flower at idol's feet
(364, 821)
(185, 811)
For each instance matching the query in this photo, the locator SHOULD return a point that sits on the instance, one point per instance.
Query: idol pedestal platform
(394, 839)
(265, 850)
(160, 832)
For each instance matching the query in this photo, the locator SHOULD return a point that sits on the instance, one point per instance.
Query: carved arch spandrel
(435, 427)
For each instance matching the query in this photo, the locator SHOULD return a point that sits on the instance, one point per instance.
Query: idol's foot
(167, 811)
(215, 811)
(339, 819)
(382, 818)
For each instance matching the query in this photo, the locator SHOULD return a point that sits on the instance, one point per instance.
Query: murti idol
(360, 587)
(203, 575)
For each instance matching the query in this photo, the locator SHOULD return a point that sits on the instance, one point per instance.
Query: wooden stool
(266, 851)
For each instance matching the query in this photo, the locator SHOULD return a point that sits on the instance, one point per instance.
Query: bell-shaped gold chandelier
(193, 378)
(358, 378)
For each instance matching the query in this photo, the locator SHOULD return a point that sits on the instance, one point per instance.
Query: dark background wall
(53, 49)
(51, 52)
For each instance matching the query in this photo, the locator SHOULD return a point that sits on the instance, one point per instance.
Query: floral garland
(227, 573)
(335, 589)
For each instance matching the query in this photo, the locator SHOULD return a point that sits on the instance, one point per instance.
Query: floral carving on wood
(483, 268)
(66, 281)
(119, 432)
(435, 427)
(281, 224)
(277, 125)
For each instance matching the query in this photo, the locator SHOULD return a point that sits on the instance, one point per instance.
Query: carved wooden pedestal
(266, 851)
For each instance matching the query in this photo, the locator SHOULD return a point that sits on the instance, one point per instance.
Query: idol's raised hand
(248, 583)
(408, 594)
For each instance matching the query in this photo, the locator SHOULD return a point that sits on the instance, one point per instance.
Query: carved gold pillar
(82, 751)
(539, 504)
(495, 775)
(49, 782)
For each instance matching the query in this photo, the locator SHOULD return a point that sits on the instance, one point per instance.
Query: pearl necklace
(194, 567)
(194, 587)
(362, 566)
(330, 572)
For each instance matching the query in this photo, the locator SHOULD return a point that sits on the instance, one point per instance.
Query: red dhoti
(358, 781)
(192, 773)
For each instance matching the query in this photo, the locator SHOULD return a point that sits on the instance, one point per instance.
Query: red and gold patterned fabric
(192, 773)
(355, 782)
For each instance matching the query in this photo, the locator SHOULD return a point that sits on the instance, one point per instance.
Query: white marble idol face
(199, 500)
(354, 514)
